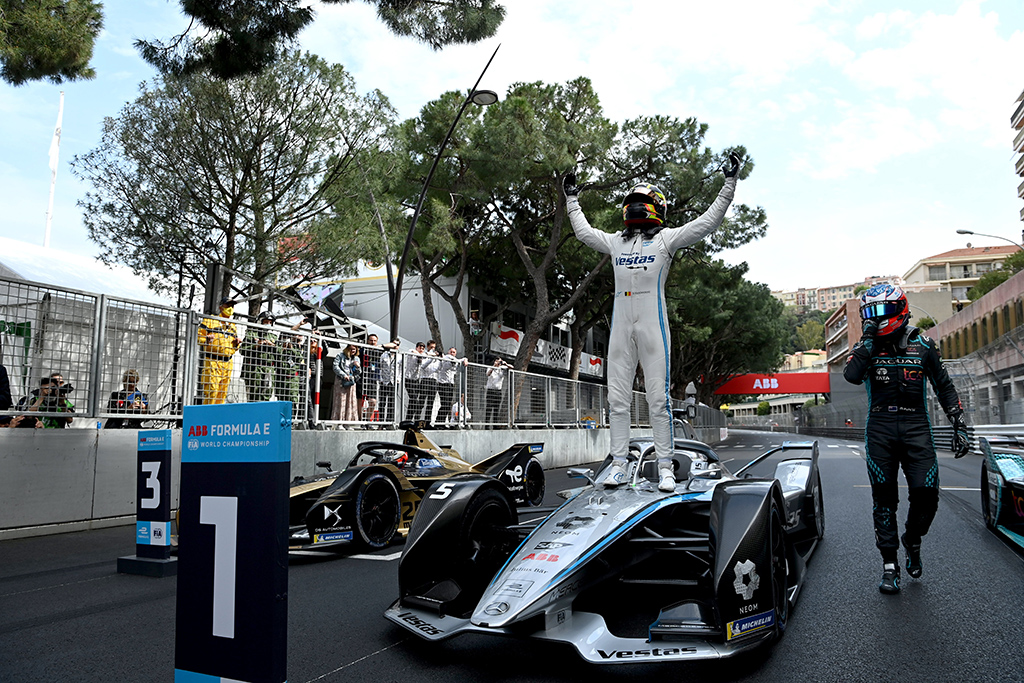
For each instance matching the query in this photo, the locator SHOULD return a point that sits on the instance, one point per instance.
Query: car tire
(819, 509)
(376, 510)
(483, 542)
(534, 483)
(986, 499)
(780, 571)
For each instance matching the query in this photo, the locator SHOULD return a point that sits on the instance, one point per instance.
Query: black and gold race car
(376, 496)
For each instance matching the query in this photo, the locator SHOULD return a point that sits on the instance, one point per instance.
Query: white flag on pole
(55, 144)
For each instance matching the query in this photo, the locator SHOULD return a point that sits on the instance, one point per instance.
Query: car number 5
(443, 491)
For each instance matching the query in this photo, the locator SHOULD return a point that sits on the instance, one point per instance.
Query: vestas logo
(508, 334)
(632, 260)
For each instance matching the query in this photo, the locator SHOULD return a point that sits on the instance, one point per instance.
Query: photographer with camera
(51, 398)
(128, 400)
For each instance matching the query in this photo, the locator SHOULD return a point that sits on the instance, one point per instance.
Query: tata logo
(766, 383)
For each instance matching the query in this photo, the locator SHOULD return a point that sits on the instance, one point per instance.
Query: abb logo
(541, 557)
(766, 383)
(197, 430)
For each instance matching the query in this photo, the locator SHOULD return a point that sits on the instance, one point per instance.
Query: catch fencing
(125, 363)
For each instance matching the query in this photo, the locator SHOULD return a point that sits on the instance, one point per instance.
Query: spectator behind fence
(259, 358)
(5, 395)
(128, 400)
(51, 398)
(459, 415)
(369, 390)
(495, 385)
(430, 371)
(289, 374)
(218, 342)
(446, 382)
(390, 369)
(413, 366)
(347, 371)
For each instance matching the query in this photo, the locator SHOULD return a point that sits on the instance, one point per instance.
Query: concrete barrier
(56, 481)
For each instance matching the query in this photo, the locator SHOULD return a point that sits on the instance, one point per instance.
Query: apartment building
(957, 270)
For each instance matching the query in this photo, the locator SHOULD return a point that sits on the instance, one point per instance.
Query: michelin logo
(746, 625)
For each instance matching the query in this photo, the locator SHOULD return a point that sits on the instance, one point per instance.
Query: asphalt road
(66, 615)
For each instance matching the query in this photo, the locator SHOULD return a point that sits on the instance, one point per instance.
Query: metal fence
(124, 363)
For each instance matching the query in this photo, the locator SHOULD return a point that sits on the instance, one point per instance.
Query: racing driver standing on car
(894, 358)
(641, 256)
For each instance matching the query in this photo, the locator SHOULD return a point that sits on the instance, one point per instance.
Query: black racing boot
(890, 582)
(913, 557)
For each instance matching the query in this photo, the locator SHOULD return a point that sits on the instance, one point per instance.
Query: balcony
(1020, 190)
(1020, 165)
(1018, 142)
(1017, 120)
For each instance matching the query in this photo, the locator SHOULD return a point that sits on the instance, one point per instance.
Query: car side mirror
(581, 472)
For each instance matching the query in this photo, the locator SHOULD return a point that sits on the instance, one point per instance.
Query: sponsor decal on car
(536, 448)
(514, 588)
(646, 654)
(516, 474)
(332, 537)
(550, 545)
(496, 609)
(541, 557)
(747, 580)
(575, 522)
(419, 624)
(751, 624)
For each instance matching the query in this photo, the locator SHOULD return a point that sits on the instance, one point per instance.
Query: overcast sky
(877, 129)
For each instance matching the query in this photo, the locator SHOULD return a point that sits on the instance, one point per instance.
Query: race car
(1002, 486)
(376, 496)
(624, 574)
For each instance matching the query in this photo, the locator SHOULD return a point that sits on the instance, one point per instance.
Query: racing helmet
(644, 208)
(888, 305)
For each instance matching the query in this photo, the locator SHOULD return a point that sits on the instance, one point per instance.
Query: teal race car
(1002, 486)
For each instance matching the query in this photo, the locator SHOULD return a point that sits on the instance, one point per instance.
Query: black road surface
(66, 615)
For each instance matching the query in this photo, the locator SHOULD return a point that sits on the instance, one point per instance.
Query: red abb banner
(784, 383)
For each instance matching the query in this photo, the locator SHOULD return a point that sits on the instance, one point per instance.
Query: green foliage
(1011, 265)
(266, 174)
(794, 321)
(232, 38)
(925, 323)
(495, 211)
(51, 39)
(764, 408)
(722, 325)
(810, 335)
(859, 289)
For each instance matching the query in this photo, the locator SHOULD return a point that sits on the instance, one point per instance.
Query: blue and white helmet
(888, 305)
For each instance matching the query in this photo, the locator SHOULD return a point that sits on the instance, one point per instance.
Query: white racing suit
(640, 329)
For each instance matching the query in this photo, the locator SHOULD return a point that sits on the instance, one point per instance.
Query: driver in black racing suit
(894, 359)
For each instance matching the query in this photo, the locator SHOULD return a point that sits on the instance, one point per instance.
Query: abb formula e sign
(783, 383)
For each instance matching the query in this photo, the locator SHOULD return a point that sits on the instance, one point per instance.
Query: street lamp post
(479, 97)
(998, 237)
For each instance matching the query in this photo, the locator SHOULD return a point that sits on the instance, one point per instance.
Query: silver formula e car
(623, 574)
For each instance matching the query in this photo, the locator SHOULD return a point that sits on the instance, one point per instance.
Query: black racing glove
(569, 185)
(961, 439)
(733, 166)
(869, 329)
